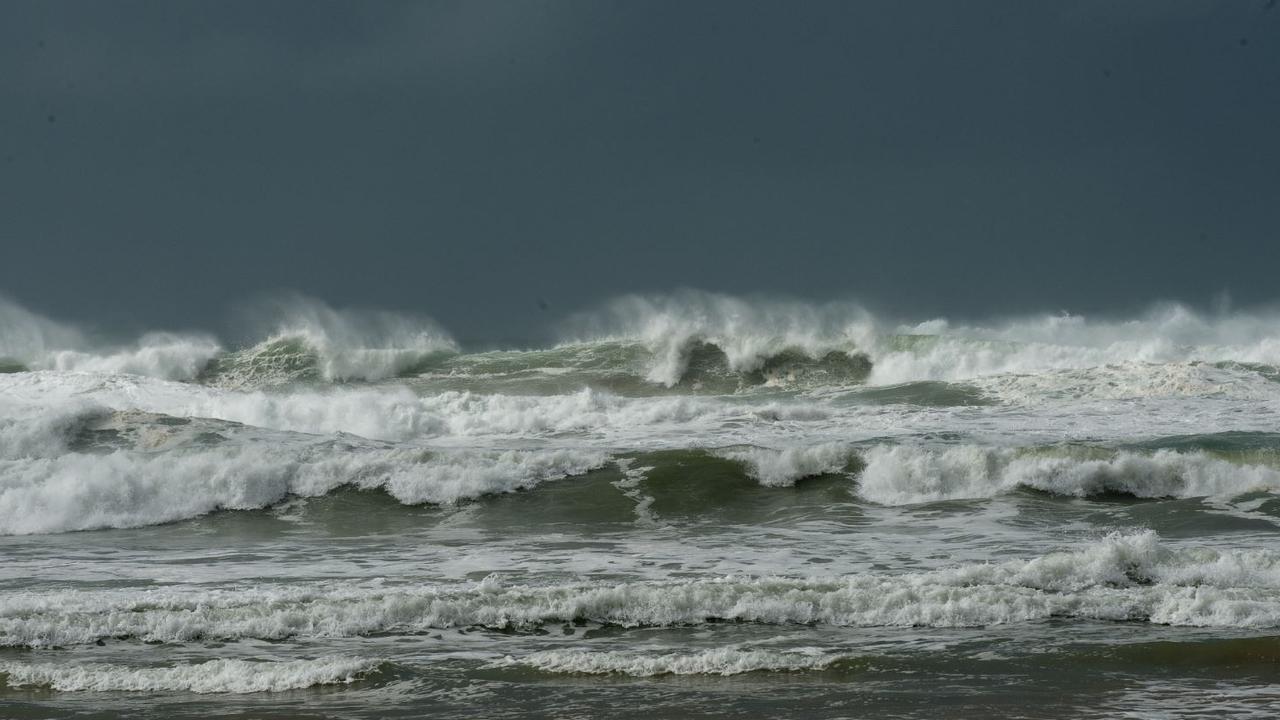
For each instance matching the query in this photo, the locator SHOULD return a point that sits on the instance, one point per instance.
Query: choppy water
(695, 505)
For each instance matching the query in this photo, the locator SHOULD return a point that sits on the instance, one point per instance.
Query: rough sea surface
(692, 505)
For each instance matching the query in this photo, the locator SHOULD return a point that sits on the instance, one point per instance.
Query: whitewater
(691, 503)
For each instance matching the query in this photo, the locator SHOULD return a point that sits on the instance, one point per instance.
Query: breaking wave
(75, 465)
(688, 341)
(901, 475)
(32, 342)
(692, 330)
(88, 440)
(1123, 578)
(310, 341)
(307, 341)
(682, 329)
(783, 467)
(130, 469)
(392, 413)
(214, 676)
(718, 661)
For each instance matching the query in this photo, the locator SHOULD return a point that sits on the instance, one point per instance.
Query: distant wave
(681, 330)
(750, 334)
(30, 342)
(688, 341)
(307, 340)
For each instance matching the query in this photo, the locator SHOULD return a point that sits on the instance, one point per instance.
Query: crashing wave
(1122, 381)
(717, 661)
(68, 464)
(1121, 578)
(692, 334)
(905, 474)
(1168, 333)
(687, 341)
(783, 467)
(393, 412)
(90, 468)
(748, 333)
(31, 342)
(308, 340)
(214, 676)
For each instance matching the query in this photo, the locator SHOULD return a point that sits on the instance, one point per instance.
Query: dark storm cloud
(237, 50)
(483, 162)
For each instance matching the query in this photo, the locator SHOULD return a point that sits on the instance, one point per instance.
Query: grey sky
(162, 161)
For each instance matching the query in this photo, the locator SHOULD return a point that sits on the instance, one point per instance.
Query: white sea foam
(160, 355)
(155, 472)
(38, 342)
(354, 344)
(387, 413)
(1167, 333)
(1131, 577)
(899, 475)
(77, 491)
(630, 485)
(1189, 697)
(748, 332)
(1130, 380)
(717, 661)
(783, 467)
(177, 465)
(349, 344)
(455, 476)
(396, 413)
(214, 676)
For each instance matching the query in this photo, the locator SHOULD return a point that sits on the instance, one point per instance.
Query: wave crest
(89, 468)
(901, 475)
(717, 661)
(1131, 577)
(687, 340)
(309, 340)
(681, 330)
(30, 341)
(214, 676)
(305, 340)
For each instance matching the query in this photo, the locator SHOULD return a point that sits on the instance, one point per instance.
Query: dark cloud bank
(493, 164)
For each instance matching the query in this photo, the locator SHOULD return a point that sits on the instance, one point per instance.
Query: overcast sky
(162, 161)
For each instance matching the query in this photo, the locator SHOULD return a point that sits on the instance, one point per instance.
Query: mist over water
(796, 498)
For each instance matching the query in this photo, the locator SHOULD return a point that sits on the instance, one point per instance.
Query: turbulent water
(692, 505)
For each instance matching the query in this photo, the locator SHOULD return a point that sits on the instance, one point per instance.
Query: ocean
(687, 505)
